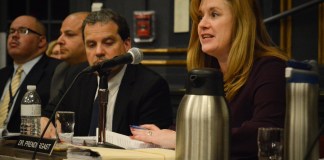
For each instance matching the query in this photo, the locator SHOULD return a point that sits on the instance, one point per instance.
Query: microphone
(133, 56)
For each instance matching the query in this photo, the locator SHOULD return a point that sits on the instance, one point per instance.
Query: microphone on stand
(133, 56)
(103, 94)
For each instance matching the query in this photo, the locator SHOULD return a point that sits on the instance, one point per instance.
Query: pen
(137, 127)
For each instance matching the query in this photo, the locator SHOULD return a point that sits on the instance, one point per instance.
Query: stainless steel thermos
(301, 123)
(203, 118)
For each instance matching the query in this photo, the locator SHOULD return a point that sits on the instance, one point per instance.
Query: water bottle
(30, 112)
(203, 118)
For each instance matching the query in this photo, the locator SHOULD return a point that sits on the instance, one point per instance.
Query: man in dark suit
(26, 45)
(72, 51)
(137, 95)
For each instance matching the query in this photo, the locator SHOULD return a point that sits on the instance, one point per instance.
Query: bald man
(26, 45)
(72, 50)
(71, 41)
(73, 54)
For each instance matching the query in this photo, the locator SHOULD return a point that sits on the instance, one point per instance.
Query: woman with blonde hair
(53, 50)
(230, 35)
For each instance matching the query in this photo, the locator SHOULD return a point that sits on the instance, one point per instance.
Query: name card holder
(29, 143)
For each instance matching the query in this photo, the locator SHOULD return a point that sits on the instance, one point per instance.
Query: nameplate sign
(30, 143)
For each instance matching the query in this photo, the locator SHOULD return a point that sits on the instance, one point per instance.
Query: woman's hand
(166, 138)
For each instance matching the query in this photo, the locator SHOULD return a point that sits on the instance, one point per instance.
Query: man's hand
(50, 132)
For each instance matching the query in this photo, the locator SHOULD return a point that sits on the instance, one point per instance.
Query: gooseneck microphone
(133, 56)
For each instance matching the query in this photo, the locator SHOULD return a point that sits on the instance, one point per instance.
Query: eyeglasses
(23, 30)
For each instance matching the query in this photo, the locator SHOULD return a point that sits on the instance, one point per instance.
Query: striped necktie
(4, 105)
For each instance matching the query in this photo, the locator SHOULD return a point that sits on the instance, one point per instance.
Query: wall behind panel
(3, 17)
(79, 5)
(164, 10)
(305, 32)
(165, 38)
(270, 8)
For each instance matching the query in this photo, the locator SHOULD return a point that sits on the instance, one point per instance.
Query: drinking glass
(270, 143)
(64, 121)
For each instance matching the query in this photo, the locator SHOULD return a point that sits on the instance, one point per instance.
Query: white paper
(181, 16)
(126, 142)
(116, 139)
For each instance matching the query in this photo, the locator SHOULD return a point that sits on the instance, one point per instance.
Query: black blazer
(40, 75)
(143, 98)
(58, 78)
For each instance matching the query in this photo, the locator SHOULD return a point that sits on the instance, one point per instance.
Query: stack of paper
(116, 139)
(126, 142)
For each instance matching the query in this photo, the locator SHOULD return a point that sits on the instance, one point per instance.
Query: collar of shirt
(114, 82)
(27, 66)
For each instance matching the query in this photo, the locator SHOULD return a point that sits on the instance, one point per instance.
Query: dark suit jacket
(40, 75)
(58, 78)
(143, 98)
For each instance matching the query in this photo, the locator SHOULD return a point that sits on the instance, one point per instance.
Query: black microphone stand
(103, 93)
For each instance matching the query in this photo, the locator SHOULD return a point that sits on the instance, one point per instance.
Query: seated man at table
(26, 45)
(137, 95)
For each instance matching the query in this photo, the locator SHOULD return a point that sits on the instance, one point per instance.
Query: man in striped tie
(26, 45)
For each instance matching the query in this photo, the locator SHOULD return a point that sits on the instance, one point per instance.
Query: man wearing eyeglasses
(26, 45)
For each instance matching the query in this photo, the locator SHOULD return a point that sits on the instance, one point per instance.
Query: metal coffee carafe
(203, 118)
(301, 123)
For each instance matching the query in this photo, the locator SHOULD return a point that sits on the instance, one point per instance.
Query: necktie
(4, 106)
